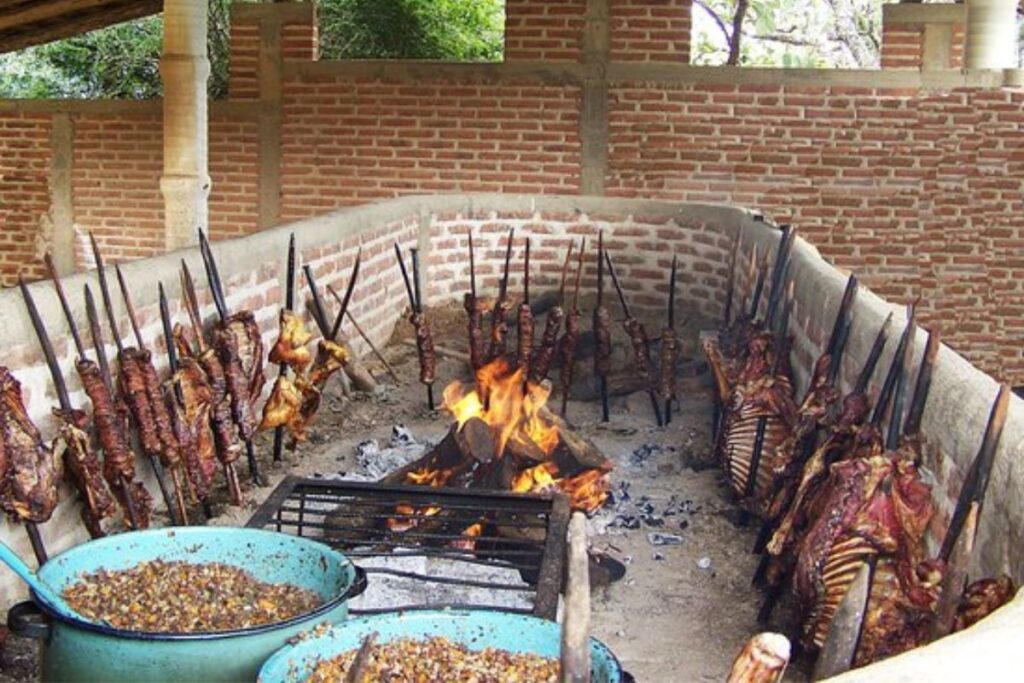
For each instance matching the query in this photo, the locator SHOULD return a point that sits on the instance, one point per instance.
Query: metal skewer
(414, 304)
(419, 309)
(282, 369)
(572, 315)
(348, 293)
(671, 328)
(598, 359)
(365, 337)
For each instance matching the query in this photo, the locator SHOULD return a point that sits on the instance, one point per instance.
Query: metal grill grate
(521, 536)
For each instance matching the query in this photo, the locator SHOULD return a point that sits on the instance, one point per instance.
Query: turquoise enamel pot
(81, 650)
(476, 629)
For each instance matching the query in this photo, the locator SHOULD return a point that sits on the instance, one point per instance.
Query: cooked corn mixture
(179, 597)
(439, 659)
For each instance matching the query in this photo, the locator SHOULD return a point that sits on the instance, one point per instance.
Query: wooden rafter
(24, 23)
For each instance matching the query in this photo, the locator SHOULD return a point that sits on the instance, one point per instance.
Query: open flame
(513, 410)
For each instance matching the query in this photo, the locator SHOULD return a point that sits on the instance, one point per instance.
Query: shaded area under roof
(24, 23)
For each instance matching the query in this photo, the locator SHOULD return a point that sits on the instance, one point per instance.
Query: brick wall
(543, 29)
(24, 192)
(918, 36)
(348, 141)
(902, 47)
(919, 193)
(651, 30)
(243, 59)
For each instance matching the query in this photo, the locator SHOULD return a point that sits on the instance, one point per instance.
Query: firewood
(762, 660)
(476, 440)
(575, 656)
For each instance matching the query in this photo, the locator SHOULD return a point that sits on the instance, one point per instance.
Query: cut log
(476, 440)
(575, 452)
(762, 660)
(575, 655)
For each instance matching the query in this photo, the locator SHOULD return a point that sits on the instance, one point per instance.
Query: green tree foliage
(454, 30)
(122, 61)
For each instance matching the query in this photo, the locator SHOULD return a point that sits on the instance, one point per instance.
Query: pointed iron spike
(873, 356)
(924, 381)
(731, 284)
(579, 275)
(778, 270)
(168, 329)
(885, 396)
(126, 296)
(755, 299)
(906, 352)
(672, 292)
(600, 268)
(526, 274)
(565, 272)
(503, 288)
(416, 285)
(618, 286)
(97, 339)
(836, 357)
(976, 482)
(188, 290)
(316, 303)
(844, 307)
(68, 316)
(352, 278)
(108, 303)
(44, 342)
(405, 278)
(472, 266)
(289, 285)
(212, 277)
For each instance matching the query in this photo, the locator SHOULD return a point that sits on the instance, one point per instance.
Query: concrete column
(594, 98)
(991, 34)
(62, 213)
(184, 68)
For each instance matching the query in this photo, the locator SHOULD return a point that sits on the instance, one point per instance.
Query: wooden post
(576, 619)
(762, 660)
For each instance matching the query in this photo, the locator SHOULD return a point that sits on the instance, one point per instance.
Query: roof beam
(29, 23)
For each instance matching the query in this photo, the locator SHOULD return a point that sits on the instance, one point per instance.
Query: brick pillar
(184, 69)
(546, 30)
(923, 37)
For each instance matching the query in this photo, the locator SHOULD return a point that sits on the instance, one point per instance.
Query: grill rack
(353, 516)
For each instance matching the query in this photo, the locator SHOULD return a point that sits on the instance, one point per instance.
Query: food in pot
(181, 597)
(439, 659)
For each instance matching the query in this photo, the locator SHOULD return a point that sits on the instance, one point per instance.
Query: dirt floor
(683, 609)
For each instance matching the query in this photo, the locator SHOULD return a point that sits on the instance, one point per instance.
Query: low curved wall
(641, 235)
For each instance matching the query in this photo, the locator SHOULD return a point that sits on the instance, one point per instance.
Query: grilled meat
(982, 598)
(667, 370)
(28, 476)
(567, 351)
(424, 349)
(290, 347)
(524, 348)
(84, 470)
(476, 335)
(540, 363)
(229, 353)
(193, 416)
(283, 404)
(499, 328)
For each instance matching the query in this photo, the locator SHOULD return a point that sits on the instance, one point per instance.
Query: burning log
(642, 364)
(763, 659)
(540, 364)
(567, 344)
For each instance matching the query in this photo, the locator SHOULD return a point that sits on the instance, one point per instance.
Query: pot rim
(318, 611)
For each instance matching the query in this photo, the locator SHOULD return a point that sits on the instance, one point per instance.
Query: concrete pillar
(184, 68)
(991, 34)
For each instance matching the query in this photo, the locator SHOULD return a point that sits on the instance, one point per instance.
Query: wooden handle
(576, 620)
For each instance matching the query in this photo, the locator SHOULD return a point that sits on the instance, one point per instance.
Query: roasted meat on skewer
(290, 347)
(982, 598)
(194, 415)
(424, 348)
(283, 405)
(28, 476)
(118, 460)
(84, 469)
(240, 352)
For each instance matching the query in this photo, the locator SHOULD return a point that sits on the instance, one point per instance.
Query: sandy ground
(682, 611)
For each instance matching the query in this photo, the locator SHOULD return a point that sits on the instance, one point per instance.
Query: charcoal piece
(659, 538)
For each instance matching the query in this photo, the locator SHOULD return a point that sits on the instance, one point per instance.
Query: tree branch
(737, 32)
(717, 19)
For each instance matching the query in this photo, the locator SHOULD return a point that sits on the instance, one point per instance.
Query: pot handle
(27, 620)
(358, 585)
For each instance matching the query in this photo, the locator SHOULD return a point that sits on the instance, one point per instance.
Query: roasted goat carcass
(28, 475)
(876, 510)
(191, 401)
(118, 459)
(141, 389)
(83, 467)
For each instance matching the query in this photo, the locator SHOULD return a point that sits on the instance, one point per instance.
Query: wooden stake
(575, 656)
(762, 660)
(369, 342)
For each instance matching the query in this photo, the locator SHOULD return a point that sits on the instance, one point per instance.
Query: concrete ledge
(919, 15)
(219, 108)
